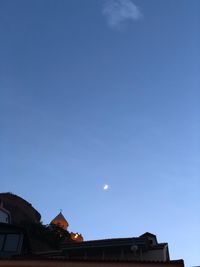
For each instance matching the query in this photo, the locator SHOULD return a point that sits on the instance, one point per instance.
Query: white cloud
(117, 12)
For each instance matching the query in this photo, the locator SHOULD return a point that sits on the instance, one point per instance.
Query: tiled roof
(108, 242)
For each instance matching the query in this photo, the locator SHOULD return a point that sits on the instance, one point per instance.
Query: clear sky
(101, 92)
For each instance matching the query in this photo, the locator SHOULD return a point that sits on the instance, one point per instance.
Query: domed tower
(60, 220)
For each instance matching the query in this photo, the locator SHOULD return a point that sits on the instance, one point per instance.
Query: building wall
(116, 253)
(48, 263)
(4, 217)
(155, 255)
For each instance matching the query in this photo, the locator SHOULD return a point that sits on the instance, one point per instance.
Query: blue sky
(100, 92)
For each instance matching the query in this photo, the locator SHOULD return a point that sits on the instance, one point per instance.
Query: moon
(105, 187)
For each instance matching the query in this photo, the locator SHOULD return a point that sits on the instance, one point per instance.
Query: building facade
(142, 248)
(83, 263)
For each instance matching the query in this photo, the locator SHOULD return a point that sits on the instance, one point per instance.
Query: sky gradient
(101, 92)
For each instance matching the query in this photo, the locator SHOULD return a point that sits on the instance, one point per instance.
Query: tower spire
(60, 221)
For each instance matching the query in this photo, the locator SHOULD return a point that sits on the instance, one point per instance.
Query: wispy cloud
(117, 12)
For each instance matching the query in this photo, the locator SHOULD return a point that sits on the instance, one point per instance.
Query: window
(12, 241)
(2, 237)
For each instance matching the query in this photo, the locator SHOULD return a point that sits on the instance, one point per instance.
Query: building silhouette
(141, 251)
